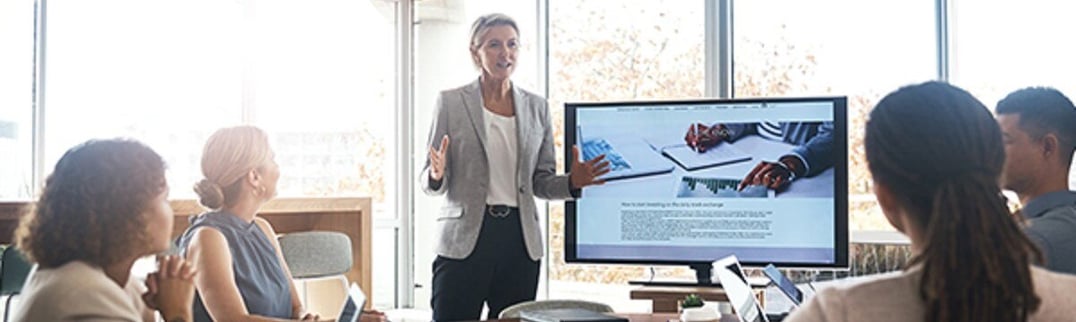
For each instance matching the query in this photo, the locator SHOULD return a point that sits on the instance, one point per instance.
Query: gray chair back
(316, 253)
(14, 270)
(513, 311)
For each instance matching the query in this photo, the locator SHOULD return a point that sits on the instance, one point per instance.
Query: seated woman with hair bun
(242, 272)
(243, 276)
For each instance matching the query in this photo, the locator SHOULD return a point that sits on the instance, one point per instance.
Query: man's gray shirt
(1052, 225)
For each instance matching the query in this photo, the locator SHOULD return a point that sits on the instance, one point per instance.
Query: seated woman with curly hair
(103, 207)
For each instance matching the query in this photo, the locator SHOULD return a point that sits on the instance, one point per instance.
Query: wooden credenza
(351, 216)
(666, 299)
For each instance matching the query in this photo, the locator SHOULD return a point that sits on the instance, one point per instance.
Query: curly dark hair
(91, 207)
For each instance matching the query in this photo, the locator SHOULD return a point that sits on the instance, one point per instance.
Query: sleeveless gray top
(259, 274)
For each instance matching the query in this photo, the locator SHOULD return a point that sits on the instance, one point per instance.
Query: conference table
(632, 317)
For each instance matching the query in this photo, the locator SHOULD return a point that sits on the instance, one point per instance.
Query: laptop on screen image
(740, 294)
(353, 305)
(629, 155)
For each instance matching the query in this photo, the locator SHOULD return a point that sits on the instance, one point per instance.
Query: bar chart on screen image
(698, 187)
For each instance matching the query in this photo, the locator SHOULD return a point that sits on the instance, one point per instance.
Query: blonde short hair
(229, 154)
(482, 25)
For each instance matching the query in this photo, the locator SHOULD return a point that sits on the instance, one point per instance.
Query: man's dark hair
(1043, 110)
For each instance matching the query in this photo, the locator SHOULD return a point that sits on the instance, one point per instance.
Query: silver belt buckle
(493, 211)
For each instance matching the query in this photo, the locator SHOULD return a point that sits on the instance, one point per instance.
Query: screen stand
(703, 273)
(703, 277)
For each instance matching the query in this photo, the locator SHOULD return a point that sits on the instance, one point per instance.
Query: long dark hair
(939, 151)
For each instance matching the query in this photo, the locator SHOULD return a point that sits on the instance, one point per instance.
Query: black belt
(501, 211)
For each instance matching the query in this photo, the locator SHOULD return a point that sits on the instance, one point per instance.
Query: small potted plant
(693, 309)
(691, 301)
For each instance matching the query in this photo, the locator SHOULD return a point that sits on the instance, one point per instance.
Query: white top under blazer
(502, 153)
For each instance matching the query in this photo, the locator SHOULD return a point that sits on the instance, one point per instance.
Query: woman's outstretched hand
(586, 173)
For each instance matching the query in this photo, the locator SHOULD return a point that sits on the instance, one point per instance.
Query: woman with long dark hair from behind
(935, 154)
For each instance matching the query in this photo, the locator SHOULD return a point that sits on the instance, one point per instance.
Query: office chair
(314, 254)
(513, 311)
(316, 259)
(14, 268)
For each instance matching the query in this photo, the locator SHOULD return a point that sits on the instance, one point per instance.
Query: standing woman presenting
(491, 152)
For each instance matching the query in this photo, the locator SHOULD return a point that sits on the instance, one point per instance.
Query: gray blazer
(466, 178)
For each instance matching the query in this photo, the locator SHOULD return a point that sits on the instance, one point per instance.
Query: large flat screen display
(694, 181)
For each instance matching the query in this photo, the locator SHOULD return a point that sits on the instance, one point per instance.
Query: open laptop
(629, 155)
(740, 294)
(353, 305)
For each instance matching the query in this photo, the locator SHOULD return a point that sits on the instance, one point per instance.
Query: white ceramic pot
(705, 313)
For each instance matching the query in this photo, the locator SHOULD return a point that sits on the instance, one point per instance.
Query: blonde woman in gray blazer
(491, 153)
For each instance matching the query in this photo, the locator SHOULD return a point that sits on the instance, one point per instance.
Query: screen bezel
(840, 131)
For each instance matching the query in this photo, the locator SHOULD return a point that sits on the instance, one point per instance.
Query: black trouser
(499, 272)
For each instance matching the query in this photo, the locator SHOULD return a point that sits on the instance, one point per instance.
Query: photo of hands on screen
(707, 152)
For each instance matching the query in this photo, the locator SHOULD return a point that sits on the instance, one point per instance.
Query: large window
(324, 83)
(143, 69)
(16, 98)
(321, 76)
(1032, 48)
(616, 50)
(317, 75)
(858, 49)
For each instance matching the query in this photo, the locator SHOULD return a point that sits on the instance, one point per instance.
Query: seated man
(812, 155)
(1039, 131)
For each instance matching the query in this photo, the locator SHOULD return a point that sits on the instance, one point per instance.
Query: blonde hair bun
(209, 193)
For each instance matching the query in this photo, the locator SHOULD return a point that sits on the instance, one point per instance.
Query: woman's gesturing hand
(586, 173)
(438, 160)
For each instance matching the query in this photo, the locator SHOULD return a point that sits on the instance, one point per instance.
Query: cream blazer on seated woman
(78, 291)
